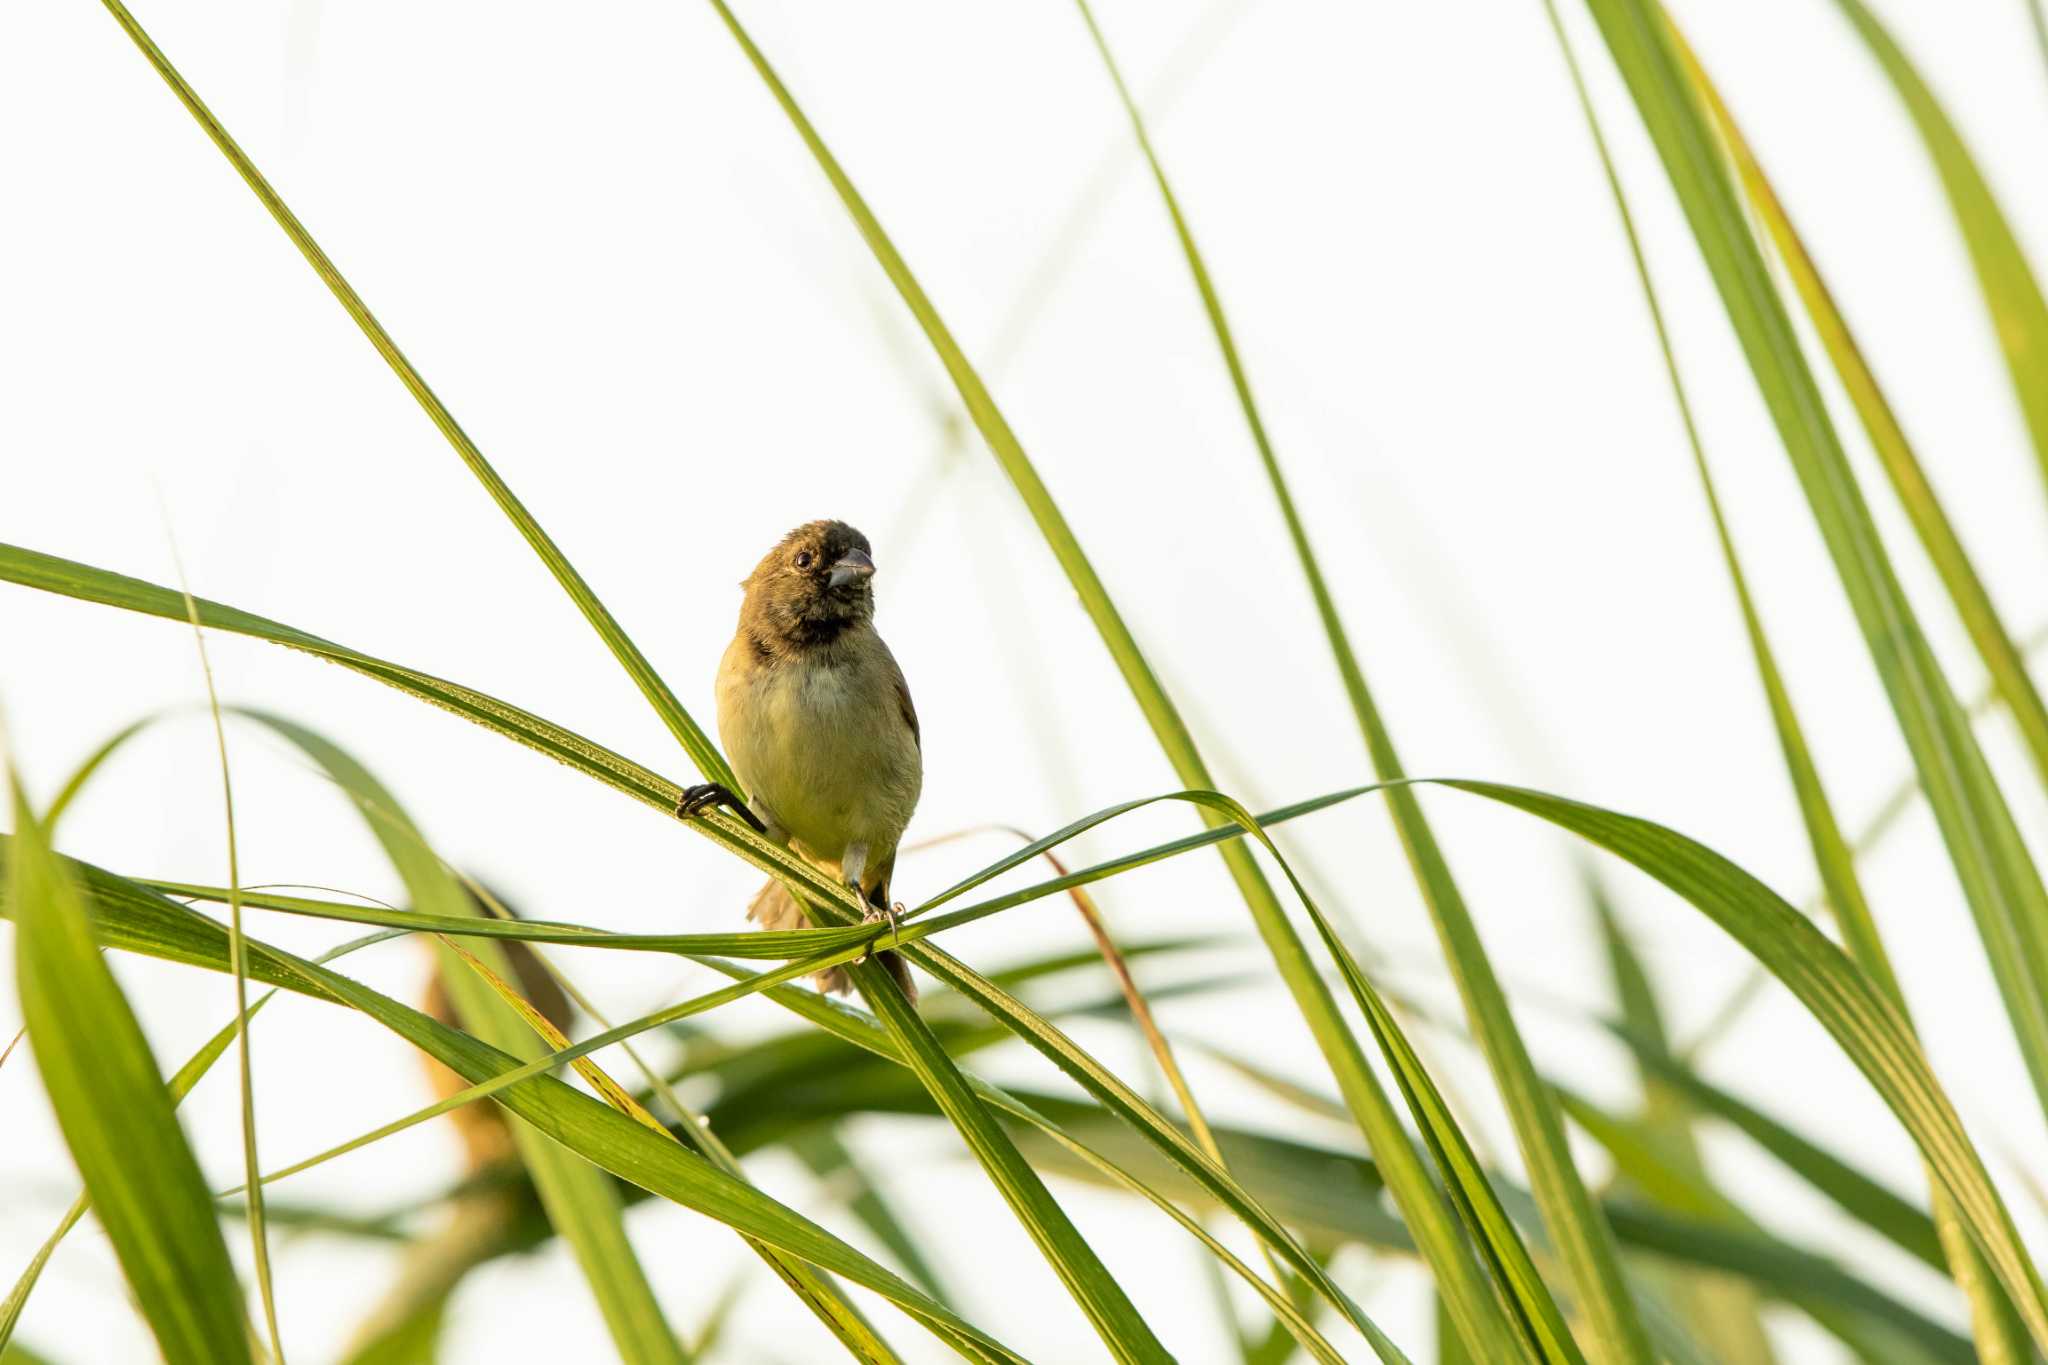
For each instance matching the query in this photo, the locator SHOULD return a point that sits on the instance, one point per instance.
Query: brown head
(814, 585)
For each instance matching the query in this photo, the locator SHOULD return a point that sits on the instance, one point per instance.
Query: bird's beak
(854, 566)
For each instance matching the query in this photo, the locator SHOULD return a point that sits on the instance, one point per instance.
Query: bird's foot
(698, 799)
(881, 914)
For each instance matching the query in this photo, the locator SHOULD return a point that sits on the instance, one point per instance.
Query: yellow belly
(828, 758)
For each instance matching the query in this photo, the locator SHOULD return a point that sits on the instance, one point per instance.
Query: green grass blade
(1583, 1240)
(133, 918)
(581, 1203)
(1866, 1200)
(831, 1161)
(1998, 876)
(1863, 1021)
(606, 1254)
(2012, 294)
(1459, 1277)
(179, 1086)
(695, 742)
(1966, 591)
(1116, 1320)
(245, 1063)
(129, 916)
(116, 1117)
(1997, 1331)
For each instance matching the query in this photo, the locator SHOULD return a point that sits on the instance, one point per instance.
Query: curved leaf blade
(116, 1115)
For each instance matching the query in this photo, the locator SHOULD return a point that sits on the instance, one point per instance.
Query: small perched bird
(817, 719)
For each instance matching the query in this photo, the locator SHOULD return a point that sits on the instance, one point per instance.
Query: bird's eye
(803, 559)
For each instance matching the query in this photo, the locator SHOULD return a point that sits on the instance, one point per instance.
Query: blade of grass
(1583, 1241)
(1864, 1199)
(432, 884)
(703, 753)
(131, 917)
(1724, 1317)
(580, 1202)
(1999, 878)
(1478, 1315)
(245, 1063)
(116, 1118)
(832, 1162)
(179, 1086)
(1116, 1319)
(2012, 294)
(1966, 591)
(1998, 1333)
(1855, 1010)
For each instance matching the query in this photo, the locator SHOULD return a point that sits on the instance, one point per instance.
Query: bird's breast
(822, 744)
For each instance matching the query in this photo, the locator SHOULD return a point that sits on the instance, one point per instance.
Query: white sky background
(601, 242)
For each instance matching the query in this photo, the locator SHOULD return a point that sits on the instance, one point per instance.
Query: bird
(817, 720)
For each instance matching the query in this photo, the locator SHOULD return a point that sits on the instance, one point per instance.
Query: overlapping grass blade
(115, 1115)
(1863, 1021)
(179, 1086)
(1723, 1316)
(133, 918)
(435, 889)
(832, 1162)
(1857, 1194)
(581, 1203)
(1459, 1278)
(695, 742)
(1966, 591)
(1583, 1240)
(1998, 876)
(1116, 1319)
(2012, 293)
(251, 1164)
(1997, 1330)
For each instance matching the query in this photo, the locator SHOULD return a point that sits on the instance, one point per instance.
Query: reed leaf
(1998, 876)
(116, 1116)
(2012, 293)
(1583, 1239)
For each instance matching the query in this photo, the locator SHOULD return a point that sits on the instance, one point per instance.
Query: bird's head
(814, 584)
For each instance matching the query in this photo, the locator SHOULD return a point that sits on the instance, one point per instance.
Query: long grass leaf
(564, 1183)
(115, 1115)
(2012, 293)
(1966, 591)
(694, 741)
(130, 917)
(1863, 1021)
(1997, 1331)
(245, 1063)
(1998, 876)
(1582, 1238)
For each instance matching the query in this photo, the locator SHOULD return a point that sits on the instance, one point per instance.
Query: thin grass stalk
(1584, 1242)
(2011, 291)
(1966, 591)
(258, 1239)
(703, 753)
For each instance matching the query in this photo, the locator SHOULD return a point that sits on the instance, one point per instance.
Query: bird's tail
(774, 908)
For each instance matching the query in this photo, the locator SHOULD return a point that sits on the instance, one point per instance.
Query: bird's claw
(880, 914)
(706, 795)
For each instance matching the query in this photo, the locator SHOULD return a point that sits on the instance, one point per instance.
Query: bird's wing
(903, 703)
